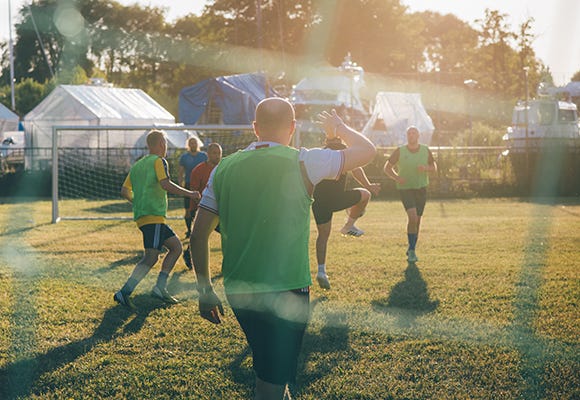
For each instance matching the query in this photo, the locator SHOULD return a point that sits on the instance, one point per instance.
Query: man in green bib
(414, 161)
(146, 187)
(261, 197)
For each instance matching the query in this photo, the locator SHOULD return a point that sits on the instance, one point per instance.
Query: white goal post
(89, 164)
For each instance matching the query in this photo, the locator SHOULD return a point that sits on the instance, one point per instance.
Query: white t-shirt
(319, 163)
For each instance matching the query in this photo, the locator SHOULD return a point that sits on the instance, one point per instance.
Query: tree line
(67, 41)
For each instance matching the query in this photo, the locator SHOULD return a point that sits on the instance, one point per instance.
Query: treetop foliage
(135, 46)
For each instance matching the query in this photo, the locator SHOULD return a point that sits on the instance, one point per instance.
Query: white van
(545, 119)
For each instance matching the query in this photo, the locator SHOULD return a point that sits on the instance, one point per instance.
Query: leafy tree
(51, 38)
(28, 93)
(449, 44)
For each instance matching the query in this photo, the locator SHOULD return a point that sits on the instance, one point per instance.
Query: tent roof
(573, 88)
(398, 111)
(236, 95)
(7, 114)
(79, 102)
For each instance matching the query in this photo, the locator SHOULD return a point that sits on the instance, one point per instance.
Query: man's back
(264, 220)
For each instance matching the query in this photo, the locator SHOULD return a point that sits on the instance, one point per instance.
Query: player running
(414, 161)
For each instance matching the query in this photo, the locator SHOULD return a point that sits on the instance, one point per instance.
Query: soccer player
(187, 162)
(197, 182)
(200, 174)
(330, 196)
(261, 197)
(146, 187)
(414, 161)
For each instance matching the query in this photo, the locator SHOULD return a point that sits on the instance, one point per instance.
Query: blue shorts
(274, 324)
(414, 198)
(154, 235)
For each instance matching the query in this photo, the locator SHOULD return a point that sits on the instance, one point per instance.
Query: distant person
(197, 182)
(330, 196)
(261, 197)
(187, 162)
(200, 174)
(414, 161)
(146, 188)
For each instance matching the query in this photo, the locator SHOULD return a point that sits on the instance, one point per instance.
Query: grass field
(491, 311)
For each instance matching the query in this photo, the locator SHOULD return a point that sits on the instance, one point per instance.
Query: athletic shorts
(274, 324)
(323, 207)
(154, 235)
(414, 198)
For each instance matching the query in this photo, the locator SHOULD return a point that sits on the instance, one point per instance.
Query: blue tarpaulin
(236, 95)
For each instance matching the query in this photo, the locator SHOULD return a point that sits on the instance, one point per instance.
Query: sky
(556, 23)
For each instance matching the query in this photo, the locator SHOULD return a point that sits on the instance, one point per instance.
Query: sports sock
(322, 269)
(188, 221)
(162, 279)
(129, 286)
(412, 238)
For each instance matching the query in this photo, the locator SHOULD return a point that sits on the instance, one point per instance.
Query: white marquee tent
(8, 119)
(85, 105)
(393, 113)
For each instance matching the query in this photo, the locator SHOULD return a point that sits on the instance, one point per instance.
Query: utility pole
(471, 84)
(528, 180)
(11, 56)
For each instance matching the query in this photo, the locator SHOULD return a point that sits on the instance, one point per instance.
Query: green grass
(489, 312)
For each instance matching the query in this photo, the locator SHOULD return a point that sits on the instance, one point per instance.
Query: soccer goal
(90, 163)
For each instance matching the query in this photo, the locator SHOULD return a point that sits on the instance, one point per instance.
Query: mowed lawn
(490, 311)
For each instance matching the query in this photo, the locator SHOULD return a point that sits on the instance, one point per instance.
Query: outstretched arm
(360, 150)
(172, 188)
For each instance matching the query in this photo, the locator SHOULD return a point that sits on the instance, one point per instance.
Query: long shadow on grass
(18, 378)
(20, 230)
(326, 350)
(411, 294)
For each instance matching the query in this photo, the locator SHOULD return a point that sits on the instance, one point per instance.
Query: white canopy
(393, 113)
(92, 106)
(8, 119)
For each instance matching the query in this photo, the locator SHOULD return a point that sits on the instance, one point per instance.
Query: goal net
(89, 165)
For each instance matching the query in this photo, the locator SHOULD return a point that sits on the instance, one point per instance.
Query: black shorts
(154, 235)
(414, 198)
(323, 207)
(274, 324)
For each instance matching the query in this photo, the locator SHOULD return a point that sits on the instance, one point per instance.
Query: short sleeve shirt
(319, 164)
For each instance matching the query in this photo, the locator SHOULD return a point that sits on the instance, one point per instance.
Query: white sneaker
(164, 295)
(322, 280)
(352, 231)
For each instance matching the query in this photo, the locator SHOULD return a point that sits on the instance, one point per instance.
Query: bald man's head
(275, 119)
